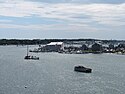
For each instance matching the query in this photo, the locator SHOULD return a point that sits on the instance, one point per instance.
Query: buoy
(25, 86)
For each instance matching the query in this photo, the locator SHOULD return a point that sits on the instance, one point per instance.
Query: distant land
(46, 41)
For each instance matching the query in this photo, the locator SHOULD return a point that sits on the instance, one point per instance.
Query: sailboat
(28, 57)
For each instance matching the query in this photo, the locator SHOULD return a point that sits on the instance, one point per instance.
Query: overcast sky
(100, 19)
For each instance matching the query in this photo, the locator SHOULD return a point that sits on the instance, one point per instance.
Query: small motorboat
(82, 69)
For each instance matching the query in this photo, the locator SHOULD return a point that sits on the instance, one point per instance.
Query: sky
(45, 19)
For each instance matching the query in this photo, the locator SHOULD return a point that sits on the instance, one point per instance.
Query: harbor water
(54, 73)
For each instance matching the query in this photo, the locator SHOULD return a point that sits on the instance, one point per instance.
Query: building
(96, 47)
(53, 47)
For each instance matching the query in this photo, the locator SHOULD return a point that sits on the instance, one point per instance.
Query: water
(53, 73)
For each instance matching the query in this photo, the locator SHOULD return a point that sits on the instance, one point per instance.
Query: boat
(31, 57)
(28, 57)
(82, 69)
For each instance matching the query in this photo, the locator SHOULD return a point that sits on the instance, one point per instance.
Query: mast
(27, 50)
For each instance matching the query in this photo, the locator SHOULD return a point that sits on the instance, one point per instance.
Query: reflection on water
(53, 73)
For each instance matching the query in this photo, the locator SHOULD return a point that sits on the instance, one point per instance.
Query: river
(54, 73)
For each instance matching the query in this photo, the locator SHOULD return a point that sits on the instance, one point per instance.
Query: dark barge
(82, 69)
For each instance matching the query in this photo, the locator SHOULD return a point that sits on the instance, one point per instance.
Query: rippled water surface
(53, 73)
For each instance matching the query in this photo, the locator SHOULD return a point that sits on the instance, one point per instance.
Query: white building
(54, 46)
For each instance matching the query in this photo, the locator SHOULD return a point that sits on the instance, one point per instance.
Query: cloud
(5, 21)
(80, 1)
(74, 14)
(51, 27)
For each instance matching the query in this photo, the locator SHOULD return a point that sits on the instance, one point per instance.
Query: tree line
(43, 41)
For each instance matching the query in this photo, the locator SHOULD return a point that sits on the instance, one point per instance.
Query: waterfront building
(53, 47)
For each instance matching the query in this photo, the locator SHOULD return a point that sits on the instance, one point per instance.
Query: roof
(55, 43)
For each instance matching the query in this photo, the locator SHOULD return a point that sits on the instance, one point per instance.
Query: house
(84, 47)
(96, 47)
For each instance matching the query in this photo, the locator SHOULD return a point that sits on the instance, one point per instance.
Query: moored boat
(31, 57)
(28, 57)
(82, 69)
